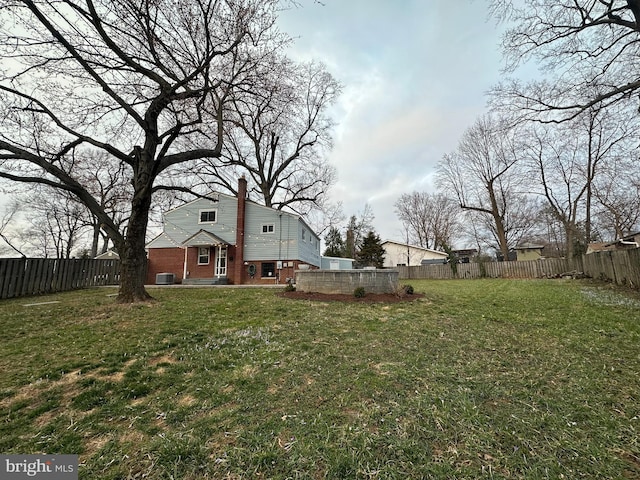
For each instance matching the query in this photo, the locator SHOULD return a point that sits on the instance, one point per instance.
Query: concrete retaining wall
(346, 281)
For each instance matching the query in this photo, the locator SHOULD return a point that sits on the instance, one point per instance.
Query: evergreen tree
(335, 244)
(356, 228)
(371, 253)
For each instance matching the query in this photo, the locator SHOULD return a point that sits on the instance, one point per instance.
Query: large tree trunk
(133, 260)
(133, 256)
(499, 221)
(95, 238)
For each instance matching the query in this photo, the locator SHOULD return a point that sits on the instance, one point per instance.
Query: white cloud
(414, 76)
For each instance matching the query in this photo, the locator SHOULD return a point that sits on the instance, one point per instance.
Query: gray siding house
(224, 239)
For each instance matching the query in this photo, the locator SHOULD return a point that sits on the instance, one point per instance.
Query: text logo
(49, 467)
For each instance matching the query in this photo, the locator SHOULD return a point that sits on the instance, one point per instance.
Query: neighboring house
(401, 254)
(224, 239)
(336, 263)
(108, 255)
(627, 242)
(465, 255)
(527, 252)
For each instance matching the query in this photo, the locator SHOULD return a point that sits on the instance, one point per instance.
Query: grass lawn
(478, 379)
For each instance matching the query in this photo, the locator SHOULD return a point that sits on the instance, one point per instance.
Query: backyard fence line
(546, 268)
(619, 266)
(34, 276)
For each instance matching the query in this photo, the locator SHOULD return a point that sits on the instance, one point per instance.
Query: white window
(203, 255)
(268, 228)
(208, 216)
(304, 235)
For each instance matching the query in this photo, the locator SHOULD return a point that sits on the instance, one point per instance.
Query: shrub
(408, 289)
(359, 292)
(289, 288)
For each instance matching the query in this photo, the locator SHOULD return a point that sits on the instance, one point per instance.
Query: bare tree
(106, 179)
(6, 221)
(279, 135)
(617, 191)
(482, 174)
(431, 220)
(580, 44)
(146, 81)
(54, 222)
(567, 160)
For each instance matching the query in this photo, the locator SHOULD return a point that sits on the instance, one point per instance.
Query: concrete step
(205, 281)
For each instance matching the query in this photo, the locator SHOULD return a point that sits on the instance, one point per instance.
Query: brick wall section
(170, 260)
(281, 275)
(346, 281)
(164, 260)
(200, 271)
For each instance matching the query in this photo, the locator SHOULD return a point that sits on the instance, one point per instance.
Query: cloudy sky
(415, 74)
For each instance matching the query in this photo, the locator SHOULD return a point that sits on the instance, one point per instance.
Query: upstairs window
(208, 216)
(268, 228)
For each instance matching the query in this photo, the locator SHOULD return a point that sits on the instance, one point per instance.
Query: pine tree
(335, 244)
(371, 253)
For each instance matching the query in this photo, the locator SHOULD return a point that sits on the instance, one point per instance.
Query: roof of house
(529, 246)
(203, 238)
(630, 237)
(109, 254)
(163, 241)
(465, 251)
(415, 247)
(598, 247)
(215, 196)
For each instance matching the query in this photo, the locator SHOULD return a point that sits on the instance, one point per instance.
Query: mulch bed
(336, 297)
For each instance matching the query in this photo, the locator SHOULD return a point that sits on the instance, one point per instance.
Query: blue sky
(415, 74)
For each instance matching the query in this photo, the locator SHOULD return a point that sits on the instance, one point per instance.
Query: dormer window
(208, 216)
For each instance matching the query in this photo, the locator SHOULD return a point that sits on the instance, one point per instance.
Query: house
(465, 255)
(528, 251)
(336, 263)
(627, 242)
(402, 254)
(108, 255)
(223, 239)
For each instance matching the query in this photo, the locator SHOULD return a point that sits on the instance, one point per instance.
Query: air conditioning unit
(165, 278)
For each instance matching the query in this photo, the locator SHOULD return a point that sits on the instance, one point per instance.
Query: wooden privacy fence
(546, 268)
(619, 266)
(33, 276)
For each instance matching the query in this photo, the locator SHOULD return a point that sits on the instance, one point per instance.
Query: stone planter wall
(346, 281)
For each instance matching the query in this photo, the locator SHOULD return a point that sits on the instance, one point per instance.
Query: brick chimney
(239, 260)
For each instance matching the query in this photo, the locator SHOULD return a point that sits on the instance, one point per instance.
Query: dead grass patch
(187, 401)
